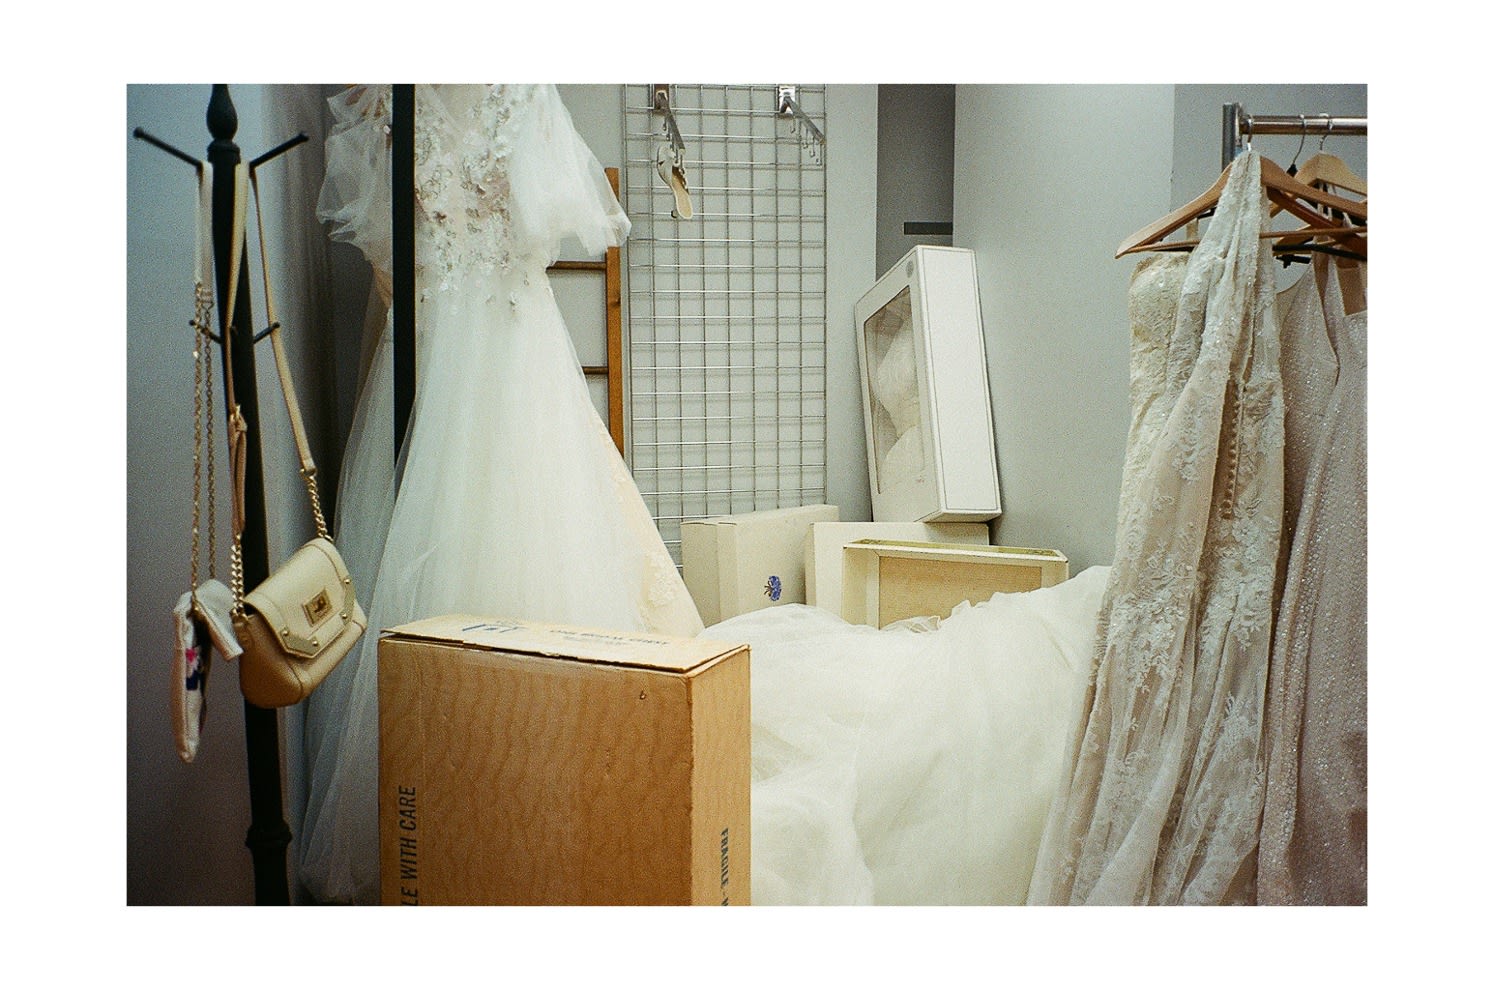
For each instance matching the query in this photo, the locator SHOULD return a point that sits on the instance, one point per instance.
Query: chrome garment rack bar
(1240, 127)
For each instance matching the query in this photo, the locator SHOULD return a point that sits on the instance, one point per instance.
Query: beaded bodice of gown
(1160, 360)
(463, 155)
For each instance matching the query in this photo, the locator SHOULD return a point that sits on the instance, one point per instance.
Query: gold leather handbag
(299, 623)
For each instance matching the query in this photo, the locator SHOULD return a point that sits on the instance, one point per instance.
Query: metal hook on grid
(669, 159)
(810, 136)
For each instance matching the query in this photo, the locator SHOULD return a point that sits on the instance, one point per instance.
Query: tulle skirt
(512, 502)
(915, 764)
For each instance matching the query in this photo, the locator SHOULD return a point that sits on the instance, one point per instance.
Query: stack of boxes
(931, 460)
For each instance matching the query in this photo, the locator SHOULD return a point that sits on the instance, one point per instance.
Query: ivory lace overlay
(1165, 799)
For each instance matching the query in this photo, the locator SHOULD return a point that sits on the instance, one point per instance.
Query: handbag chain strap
(237, 427)
(202, 383)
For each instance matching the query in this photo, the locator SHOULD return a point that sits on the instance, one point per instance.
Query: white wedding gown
(512, 500)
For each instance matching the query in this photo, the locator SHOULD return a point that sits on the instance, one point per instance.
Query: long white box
(747, 561)
(887, 580)
(824, 549)
(926, 399)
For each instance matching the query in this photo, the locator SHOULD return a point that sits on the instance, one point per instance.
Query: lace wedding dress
(1313, 847)
(1164, 801)
(512, 499)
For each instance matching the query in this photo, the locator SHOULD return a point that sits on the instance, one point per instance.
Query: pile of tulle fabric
(914, 764)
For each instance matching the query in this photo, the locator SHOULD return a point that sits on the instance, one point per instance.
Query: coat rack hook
(278, 150)
(149, 138)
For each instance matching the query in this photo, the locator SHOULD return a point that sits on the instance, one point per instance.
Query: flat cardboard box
(889, 580)
(740, 563)
(530, 764)
(824, 549)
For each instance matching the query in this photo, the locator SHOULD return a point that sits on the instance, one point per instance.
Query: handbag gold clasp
(318, 608)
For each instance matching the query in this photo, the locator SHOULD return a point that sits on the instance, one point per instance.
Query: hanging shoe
(672, 171)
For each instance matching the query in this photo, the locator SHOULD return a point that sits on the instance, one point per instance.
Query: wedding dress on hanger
(1164, 800)
(511, 499)
(1313, 847)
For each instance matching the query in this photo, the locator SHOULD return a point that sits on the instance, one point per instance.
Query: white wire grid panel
(726, 310)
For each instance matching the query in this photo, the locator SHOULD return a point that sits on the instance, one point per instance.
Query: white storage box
(824, 549)
(926, 400)
(739, 563)
(888, 580)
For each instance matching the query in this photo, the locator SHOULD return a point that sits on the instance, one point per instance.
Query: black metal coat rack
(268, 836)
(402, 178)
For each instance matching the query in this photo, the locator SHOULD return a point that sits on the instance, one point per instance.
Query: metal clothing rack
(1240, 127)
(268, 836)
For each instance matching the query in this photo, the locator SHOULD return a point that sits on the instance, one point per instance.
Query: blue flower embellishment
(774, 589)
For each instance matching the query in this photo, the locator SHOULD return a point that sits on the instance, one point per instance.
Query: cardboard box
(926, 399)
(526, 764)
(824, 556)
(751, 560)
(886, 581)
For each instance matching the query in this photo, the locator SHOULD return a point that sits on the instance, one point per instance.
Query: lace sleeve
(558, 187)
(355, 198)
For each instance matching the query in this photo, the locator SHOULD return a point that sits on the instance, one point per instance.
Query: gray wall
(1048, 180)
(851, 134)
(186, 823)
(915, 167)
(1198, 114)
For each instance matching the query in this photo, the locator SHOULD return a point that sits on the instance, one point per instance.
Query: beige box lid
(624, 649)
(911, 548)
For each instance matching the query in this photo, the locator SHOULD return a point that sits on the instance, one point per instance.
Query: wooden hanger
(1307, 203)
(1323, 169)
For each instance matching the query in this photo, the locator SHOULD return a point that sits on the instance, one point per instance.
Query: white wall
(1048, 180)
